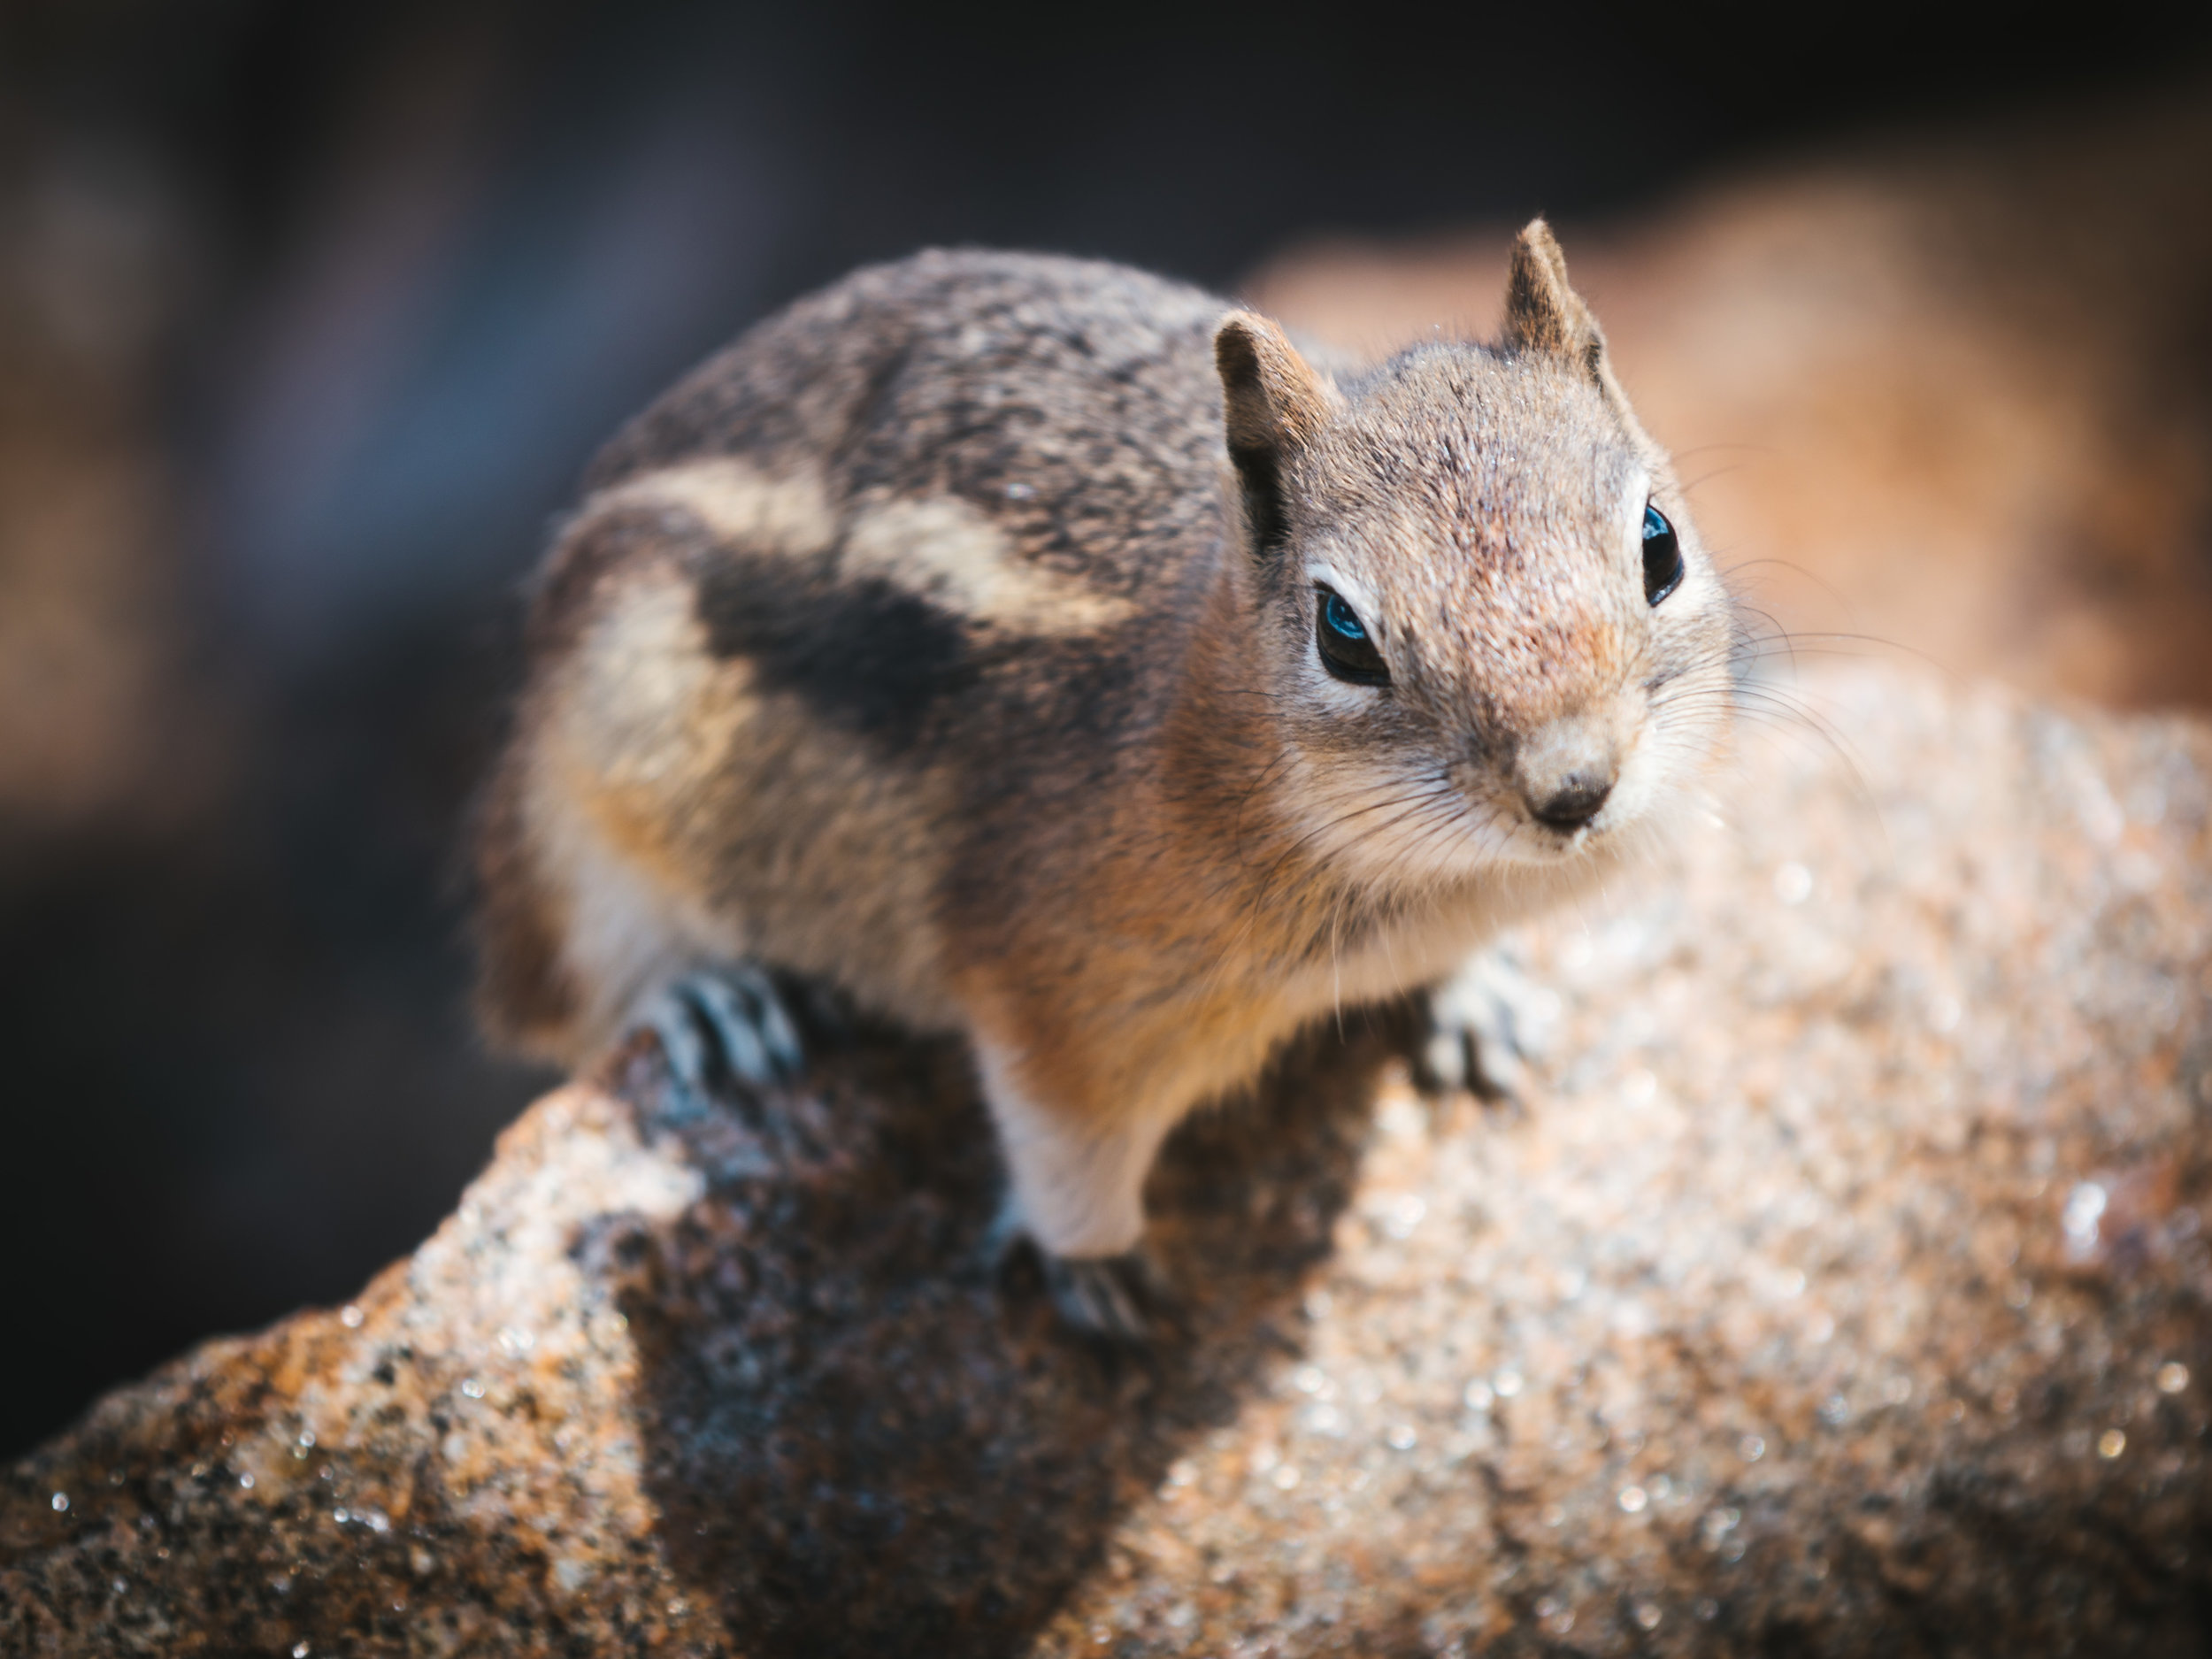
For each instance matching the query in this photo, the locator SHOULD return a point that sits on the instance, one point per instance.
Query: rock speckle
(1837, 1287)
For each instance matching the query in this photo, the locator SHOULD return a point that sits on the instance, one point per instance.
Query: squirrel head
(1484, 619)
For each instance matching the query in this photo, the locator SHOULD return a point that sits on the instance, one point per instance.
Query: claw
(786, 1053)
(670, 1018)
(729, 1020)
(1120, 1299)
(1487, 1023)
(1113, 1297)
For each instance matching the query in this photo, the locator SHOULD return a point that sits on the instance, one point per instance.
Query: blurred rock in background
(308, 316)
(1952, 394)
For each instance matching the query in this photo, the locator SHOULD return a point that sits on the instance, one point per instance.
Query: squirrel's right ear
(1272, 401)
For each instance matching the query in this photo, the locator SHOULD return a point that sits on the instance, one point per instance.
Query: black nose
(1575, 803)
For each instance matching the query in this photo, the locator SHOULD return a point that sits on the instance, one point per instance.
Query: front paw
(725, 1025)
(1486, 1024)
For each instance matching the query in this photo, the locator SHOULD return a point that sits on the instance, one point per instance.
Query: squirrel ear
(1270, 395)
(1542, 313)
(1272, 401)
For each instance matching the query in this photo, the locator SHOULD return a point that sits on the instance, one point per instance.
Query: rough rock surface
(1837, 1287)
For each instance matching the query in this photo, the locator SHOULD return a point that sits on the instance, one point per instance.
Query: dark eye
(1346, 650)
(1663, 556)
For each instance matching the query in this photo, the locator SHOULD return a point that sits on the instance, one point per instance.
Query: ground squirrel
(1045, 651)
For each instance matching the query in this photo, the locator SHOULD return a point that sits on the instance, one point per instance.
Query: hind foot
(1116, 1298)
(1113, 1299)
(1119, 1300)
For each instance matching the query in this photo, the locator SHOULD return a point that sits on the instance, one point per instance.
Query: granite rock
(1837, 1285)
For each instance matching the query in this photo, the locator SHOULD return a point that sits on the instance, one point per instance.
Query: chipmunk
(1047, 652)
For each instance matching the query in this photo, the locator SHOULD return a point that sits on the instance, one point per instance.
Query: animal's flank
(865, 655)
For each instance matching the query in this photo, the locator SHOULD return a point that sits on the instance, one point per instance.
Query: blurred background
(309, 316)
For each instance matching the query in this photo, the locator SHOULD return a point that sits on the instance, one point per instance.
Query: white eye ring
(1355, 591)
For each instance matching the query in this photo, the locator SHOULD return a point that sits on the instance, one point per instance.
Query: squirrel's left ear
(1545, 316)
(1543, 313)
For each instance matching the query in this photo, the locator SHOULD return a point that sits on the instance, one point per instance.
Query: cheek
(1643, 775)
(1352, 756)
(1691, 631)
(1685, 722)
(1379, 722)
(1349, 705)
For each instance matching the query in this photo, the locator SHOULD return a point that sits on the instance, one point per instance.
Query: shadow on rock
(859, 1429)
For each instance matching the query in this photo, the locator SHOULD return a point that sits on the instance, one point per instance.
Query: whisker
(1691, 485)
(1266, 890)
(1729, 572)
(1709, 448)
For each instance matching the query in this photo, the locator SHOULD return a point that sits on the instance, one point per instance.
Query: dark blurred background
(309, 316)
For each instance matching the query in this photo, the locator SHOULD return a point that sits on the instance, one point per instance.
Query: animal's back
(1073, 403)
(856, 590)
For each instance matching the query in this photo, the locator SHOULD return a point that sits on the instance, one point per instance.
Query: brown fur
(952, 638)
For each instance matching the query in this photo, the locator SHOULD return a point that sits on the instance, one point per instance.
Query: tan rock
(1839, 1288)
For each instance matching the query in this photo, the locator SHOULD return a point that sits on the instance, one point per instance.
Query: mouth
(1547, 843)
